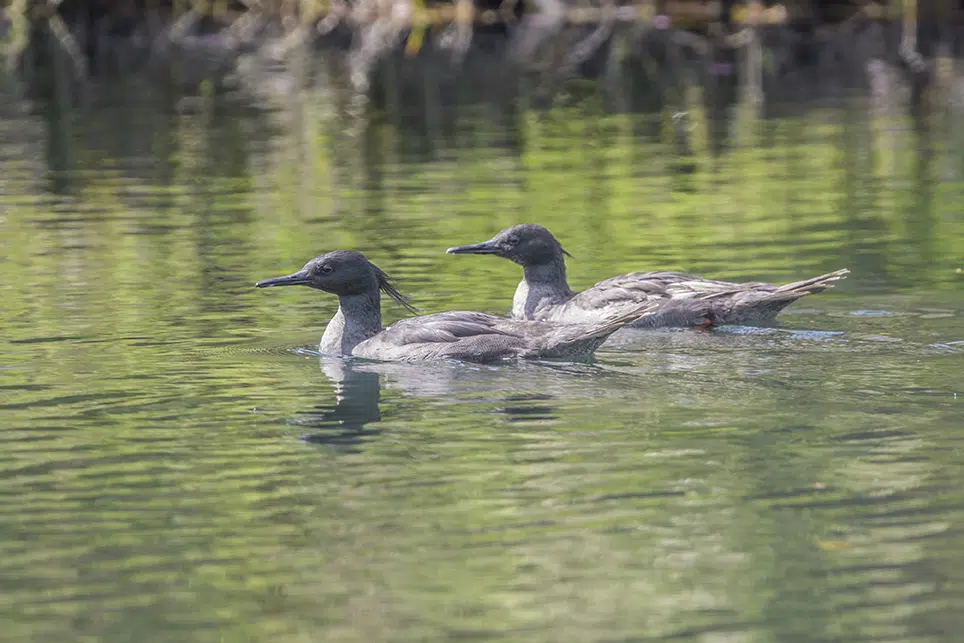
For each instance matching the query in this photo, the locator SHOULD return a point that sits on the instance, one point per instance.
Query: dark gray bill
(299, 278)
(485, 248)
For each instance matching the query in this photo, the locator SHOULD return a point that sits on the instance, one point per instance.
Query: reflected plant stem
(61, 137)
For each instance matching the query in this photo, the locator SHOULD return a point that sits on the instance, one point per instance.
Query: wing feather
(446, 327)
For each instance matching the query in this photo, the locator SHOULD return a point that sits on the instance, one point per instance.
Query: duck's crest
(385, 285)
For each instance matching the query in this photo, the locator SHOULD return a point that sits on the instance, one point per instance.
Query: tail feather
(583, 339)
(760, 304)
(813, 285)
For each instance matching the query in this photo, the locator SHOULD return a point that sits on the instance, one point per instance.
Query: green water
(179, 466)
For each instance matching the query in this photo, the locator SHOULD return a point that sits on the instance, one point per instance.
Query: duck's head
(527, 245)
(344, 273)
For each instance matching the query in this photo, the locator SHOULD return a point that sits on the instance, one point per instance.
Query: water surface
(179, 464)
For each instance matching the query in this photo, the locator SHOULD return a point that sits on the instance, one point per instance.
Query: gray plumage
(679, 299)
(356, 329)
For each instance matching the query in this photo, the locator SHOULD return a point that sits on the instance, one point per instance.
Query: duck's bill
(299, 278)
(485, 248)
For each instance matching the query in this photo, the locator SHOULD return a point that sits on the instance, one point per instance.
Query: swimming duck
(680, 299)
(356, 329)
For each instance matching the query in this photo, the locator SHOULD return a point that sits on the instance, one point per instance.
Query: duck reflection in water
(509, 393)
(357, 397)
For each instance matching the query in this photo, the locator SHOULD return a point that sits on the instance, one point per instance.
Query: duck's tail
(582, 340)
(810, 286)
(762, 302)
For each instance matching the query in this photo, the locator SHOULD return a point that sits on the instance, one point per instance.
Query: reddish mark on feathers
(707, 322)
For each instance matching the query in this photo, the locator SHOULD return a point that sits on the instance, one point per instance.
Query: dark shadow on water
(531, 406)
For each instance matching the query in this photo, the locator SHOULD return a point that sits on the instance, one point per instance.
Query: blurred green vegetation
(790, 198)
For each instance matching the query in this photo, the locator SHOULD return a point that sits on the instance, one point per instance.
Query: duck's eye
(325, 269)
(512, 240)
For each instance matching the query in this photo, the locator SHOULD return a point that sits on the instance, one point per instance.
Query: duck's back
(668, 285)
(687, 300)
(623, 293)
(451, 335)
(481, 337)
(680, 298)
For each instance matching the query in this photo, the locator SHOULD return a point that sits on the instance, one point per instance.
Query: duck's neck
(359, 317)
(543, 286)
